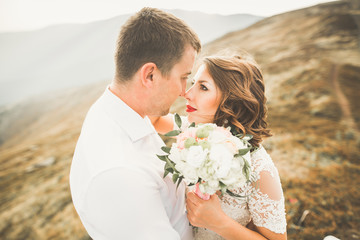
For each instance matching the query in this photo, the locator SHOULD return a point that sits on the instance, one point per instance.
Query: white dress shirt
(117, 182)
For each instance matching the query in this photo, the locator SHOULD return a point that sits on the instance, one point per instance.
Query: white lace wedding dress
(264, 205)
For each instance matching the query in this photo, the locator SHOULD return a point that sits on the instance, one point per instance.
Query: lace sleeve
(266, 202)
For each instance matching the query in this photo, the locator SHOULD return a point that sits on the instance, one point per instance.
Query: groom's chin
(160, 113)
(164, 113)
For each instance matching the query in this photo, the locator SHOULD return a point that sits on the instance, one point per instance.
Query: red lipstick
(190, 108)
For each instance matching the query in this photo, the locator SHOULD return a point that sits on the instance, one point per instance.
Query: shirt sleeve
(125, 203)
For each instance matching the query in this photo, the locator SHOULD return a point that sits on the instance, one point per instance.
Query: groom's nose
(183, 88)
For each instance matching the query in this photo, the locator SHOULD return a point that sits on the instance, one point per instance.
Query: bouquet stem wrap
(201, 195)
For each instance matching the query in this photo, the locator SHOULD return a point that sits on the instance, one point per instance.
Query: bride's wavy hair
(243, 101)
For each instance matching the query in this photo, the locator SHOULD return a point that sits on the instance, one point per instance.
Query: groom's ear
(147, 72)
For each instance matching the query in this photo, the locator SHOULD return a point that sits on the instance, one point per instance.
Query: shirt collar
(129, 120)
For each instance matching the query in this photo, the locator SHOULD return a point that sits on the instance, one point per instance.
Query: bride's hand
(204, 213)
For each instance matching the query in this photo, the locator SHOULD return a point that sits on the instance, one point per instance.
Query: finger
(190, 206)
(191, 196)
(214, 197)
(189, 209)
(190, 215)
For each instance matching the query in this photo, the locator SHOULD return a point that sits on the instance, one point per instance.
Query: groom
(116, 180)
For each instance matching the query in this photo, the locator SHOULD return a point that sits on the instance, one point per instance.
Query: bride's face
(203, 98)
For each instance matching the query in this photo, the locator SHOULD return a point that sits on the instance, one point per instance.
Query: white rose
(213, 184)
(234, 144)
(217, 137)
(235, 179)
(237, 164)
(240, 181)
(196, 156)
(180, 166)
(175, 154)
(231, 178)
(206, 172)
(189, 173)
(222, 158)
(206, 188)
(238, 142)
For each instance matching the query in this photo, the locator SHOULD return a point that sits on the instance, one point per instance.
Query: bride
(229, 91)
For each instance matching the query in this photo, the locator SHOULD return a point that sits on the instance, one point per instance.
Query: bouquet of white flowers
(208, 157)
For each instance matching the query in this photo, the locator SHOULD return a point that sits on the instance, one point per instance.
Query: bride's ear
(147, 72)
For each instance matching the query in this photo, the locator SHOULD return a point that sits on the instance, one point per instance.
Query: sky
(27, 15)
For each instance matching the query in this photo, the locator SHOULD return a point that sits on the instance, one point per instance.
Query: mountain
(71, 55)
(311, 64)
(211, 26)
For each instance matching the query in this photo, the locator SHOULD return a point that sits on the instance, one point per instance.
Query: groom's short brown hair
(152, 35)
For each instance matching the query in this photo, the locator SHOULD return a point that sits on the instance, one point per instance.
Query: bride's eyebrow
(200, 81)
(203, 81)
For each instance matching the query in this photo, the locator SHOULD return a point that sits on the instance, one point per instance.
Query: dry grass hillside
(311, 63)
(35, 200)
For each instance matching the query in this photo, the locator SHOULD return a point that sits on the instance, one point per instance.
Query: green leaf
(165, 173)
(192, 125)
(205, 145)
(178, 120)
(246, 163)
(166, 149)
(202, 132)
(162, 157)
(179, 181)
(190, 142)
(249, 136)
(246, 172)
(244, 151)
(168, 167)
(175, 177)
(222, 187)
(246, 169)
(241, 136)
(173, 133)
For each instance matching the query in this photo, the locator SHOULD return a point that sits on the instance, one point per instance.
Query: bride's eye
(192, 82)
(203, 87)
